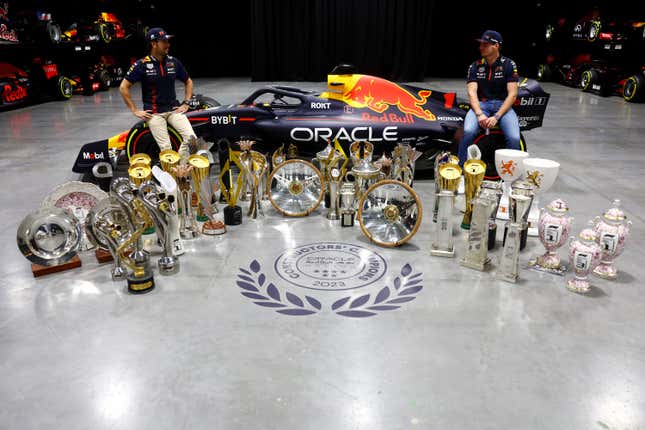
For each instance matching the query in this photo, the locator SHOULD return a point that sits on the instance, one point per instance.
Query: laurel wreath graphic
(266, 294)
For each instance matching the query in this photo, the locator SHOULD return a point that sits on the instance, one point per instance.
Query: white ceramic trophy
(509, 165)
(541, 173)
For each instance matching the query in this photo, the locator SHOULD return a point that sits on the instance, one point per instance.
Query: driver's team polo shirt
(157, 81)
(492, 80)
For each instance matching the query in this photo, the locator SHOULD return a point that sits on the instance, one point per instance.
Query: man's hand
(491, 122)
(482, 119)
(143, 114)
(182, 108)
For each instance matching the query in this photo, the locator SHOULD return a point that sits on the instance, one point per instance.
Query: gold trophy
(232, 212)
(140, 279)
(278, 157)
(169, 159)
(200, 174)
(448, 178)
(473, 177)
(139, 173)
(140, 158)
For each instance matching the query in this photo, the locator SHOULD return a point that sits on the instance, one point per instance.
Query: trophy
(491, 190)
(246, 162)
(140, 158)
(449, 176)
(169, 185)
(364, 172)
(278, 157)
(259, 167)
(520, 205)
(188, 228)
(201, 181)
(104, 224)
(612, 231)
(322, 161)
(390, 213)
(509, 165)
(477, 253)
(525, 188)
(160, 208)
(296, 188)
(232, 212)
(541, 173)
(554, 227)
(359, 150)
(347, 198)
(584, 256)
(139, 173)
(473, 176)
(335, 178)
(441, 159)
(121, 189)
(385, 165)
(404, 157)
(140, 279)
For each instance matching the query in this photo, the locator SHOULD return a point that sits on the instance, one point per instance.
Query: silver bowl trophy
(106, 222)
(443, 243)
(520, 205)
(477, 251)
(390, 213)
(160, 208)
(612, 230)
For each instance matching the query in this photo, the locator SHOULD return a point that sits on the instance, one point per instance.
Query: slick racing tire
(53, 32)
(141, 140)
(634, 88)
(105, 80)
(105, 32)
(64, 88)
(594, 31)
(544, 73)
(588, 79)
(490, 143)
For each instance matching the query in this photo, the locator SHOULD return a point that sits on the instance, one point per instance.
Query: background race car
(15, 86)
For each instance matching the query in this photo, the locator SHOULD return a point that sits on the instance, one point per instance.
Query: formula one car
(15, 86)
(355, 108)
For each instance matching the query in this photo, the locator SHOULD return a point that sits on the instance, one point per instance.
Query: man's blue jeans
(508, 123)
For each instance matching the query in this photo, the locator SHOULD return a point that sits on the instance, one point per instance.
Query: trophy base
(37, 270)
(118, 274)
(103, 256)
(149, 230)
(213, 228)
(560, 271)
(476, 265)
(434, 250)
(606, 271)
(327, 200)
(492, 236)
(465, 226)
(232, 215)
(141, 285)
(578, 285)
(189, 234)
(523, 237)
(168, 265)
(201, 218)
(347, 219)
(506, 277)
(333, 216)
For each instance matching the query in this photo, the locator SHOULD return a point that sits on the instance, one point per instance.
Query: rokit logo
(93, 156)
(224, 120)
(320, 105)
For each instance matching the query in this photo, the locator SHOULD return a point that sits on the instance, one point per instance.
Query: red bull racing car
(355, 108)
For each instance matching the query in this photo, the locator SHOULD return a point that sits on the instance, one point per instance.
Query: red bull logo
(379, 94)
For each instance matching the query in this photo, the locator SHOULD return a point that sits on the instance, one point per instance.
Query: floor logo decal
(330, 266)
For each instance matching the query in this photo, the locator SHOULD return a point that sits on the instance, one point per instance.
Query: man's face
(161, 46)
(487, 48)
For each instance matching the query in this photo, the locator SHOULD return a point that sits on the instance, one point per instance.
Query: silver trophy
(520, 205)
(347, 201)
(477, 253)
(335, 178)
(441, 159)
(105, 222)
(188, 228)
(122, 189)
(443, 245)
(160, 208)
(492, 190)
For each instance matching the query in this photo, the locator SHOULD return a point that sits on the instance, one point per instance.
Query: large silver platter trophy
(296, 188)
(390, 213)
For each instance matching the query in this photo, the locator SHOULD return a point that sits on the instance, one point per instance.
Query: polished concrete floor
(468, 352)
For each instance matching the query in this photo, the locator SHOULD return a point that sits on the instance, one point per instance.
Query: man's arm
(124, 89)
(188, 94)
(511, 87)
(471, 87)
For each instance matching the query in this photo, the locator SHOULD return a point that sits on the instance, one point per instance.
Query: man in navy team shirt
(492, 89)
(157, 73)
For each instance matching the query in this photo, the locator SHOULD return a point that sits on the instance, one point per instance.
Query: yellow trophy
(473, 177)
(232, 212)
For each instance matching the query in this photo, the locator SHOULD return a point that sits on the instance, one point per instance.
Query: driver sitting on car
(492, 89)
(157, 73)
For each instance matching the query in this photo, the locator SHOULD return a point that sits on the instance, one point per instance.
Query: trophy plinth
(347, 197)
(492, 235)
(141, 284)
(232, 215)
(214, 228)
(168, 265)
(477, 254)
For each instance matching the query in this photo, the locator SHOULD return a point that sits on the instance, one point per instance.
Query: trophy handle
(347, 176)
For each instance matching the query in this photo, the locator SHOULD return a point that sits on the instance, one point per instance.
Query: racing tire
(488, 144)
(588, 79)
(141, 140)
(544, 73)
(208, 102)
(53, 32)
(64, 88)
(594, 31)
(105, 32)
(634, 88)
(548, 32)
(105, 80)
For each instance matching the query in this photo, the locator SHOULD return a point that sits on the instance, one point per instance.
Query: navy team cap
(490, 36)
(157, 33)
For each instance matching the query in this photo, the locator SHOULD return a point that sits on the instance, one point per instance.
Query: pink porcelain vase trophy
(584, 256)
(612, 230)
(554, 227)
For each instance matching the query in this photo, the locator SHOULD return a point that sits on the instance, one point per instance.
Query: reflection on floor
(207, 350)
